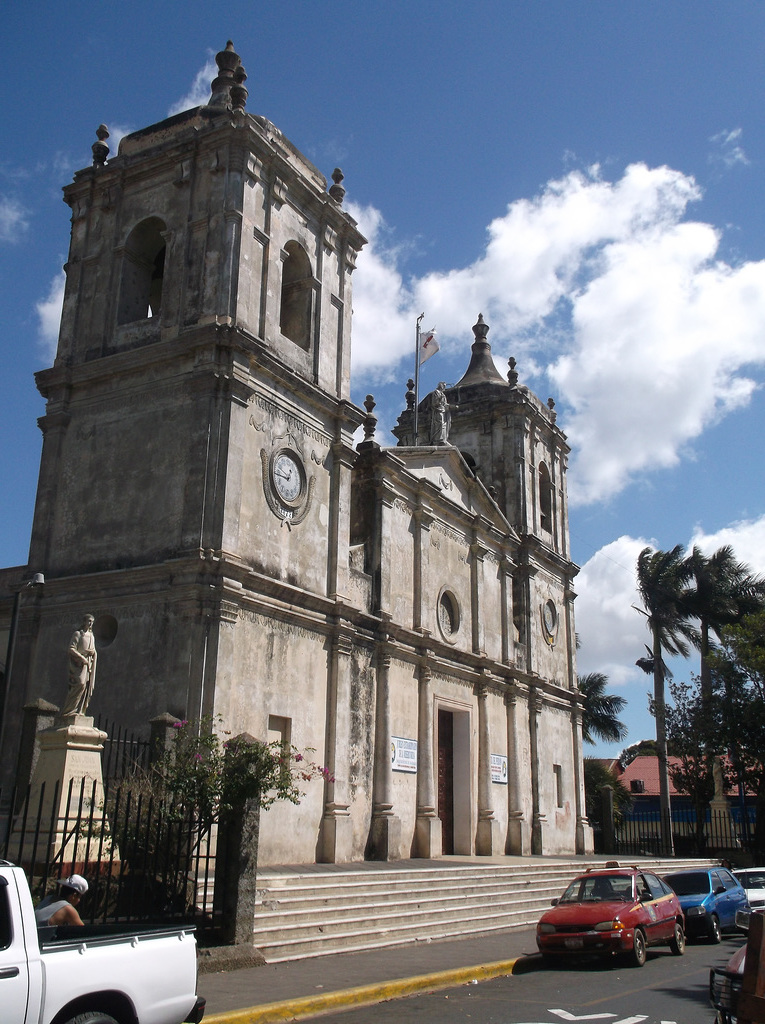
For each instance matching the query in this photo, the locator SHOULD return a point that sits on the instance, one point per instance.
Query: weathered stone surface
(200, 492)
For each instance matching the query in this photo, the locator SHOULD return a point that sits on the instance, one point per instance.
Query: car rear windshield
(598, 888)
(689, 883)
(751, 879)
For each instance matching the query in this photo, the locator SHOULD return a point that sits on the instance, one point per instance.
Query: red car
(613, 910)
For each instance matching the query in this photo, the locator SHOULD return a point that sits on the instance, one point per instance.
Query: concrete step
(322, 909)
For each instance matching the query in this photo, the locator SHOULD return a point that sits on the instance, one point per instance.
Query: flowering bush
(216, 772)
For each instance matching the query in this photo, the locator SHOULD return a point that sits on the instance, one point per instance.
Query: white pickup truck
(133, 977)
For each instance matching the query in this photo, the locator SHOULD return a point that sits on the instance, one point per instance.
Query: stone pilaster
(336, 839)
(428, 842)
(585, 842)
(487, 833)
(539, 819)
(385, 831)
(518, 840)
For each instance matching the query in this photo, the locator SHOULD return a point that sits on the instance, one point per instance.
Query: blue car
(710, 898)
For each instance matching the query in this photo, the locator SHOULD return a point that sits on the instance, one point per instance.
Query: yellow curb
(363, 995)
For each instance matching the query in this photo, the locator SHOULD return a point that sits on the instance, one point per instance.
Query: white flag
(428, 345)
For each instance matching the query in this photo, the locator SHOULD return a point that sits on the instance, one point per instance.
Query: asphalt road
(668, 990)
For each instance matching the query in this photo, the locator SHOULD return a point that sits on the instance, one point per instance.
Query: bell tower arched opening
(143, 271)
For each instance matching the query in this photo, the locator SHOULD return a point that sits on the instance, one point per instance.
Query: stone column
(38, 716)
(539, 820)
(423, 518)
(506, 567)
(477, 553)
(336, 839)
(518, 840)
(487, 833)
(385, 830)
(585, 842)
(428, 826)
(162, 736)
(343, 459)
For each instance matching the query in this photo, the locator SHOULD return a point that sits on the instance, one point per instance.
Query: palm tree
(724, 591)
(600, 712)
(663, 579)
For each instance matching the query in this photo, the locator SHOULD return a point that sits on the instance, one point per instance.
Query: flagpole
(417, 374)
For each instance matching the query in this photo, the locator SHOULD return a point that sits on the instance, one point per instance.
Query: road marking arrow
(565, 1015)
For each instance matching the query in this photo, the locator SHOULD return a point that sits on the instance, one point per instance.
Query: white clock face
(288, 476)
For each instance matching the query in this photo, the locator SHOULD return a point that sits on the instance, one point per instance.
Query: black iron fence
(723, 833)
(145, 860)
(124, 752)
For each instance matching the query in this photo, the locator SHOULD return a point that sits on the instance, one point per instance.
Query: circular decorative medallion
(448, 615)
(550, 622)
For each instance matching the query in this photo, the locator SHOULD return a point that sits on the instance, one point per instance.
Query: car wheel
(639, 953)
(715, 935)
(677, 943)
(92, 1017)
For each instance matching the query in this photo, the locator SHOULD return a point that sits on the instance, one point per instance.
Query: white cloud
(644, 332)
(746, 537)
(199, 93)
(49, 315)
(611, 631)
(728, 149)
(13, 220)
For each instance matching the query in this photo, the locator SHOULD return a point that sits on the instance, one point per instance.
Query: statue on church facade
(82, 658)
(440, 416)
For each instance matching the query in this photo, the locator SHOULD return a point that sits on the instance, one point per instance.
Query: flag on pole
(428, 345)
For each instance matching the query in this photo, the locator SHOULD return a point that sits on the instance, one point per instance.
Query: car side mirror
(719, 890)
(555, 902)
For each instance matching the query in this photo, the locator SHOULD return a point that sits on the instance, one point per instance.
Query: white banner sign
(499, 769)
(403, 754)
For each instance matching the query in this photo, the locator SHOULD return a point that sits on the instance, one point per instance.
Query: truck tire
(92, 1017)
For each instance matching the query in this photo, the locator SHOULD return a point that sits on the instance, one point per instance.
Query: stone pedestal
(384, 837)
(518, 839)
(336, 836)
(428, 836)
(488, 838)
(67, 787)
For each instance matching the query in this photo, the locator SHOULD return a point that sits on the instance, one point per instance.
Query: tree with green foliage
(600, 712)
(723, 591)
(663, 579)
(738, 669)
(596, 776)
(694, 729)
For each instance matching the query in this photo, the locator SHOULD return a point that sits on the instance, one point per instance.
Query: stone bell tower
(198, 429)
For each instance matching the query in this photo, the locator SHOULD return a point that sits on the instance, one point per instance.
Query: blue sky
(589, 176)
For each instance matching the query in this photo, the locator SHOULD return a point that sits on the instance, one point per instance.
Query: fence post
(38, 715)
(162, 734)
(236, 867)
(609, 831)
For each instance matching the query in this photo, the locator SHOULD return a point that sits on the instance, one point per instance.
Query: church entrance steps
(315, 910)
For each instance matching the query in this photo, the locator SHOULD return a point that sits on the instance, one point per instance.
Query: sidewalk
(303, 988)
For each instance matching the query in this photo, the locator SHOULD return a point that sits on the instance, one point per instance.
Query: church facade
(404, 611)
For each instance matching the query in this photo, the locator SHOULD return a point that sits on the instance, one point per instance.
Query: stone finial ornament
(228, 89)
(512, 373)
(551, 407)
(337, 191)
(370, 420)
(100, 148)
(410, 395)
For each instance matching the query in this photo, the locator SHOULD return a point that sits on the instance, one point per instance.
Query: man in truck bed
(62, 909)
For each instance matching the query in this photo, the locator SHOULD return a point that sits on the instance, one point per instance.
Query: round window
(448, 615)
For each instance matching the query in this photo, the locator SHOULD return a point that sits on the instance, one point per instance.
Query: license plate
(574, 943)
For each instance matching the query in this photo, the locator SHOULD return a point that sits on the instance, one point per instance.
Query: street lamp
(37, 580)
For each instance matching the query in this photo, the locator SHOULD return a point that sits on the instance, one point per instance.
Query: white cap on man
(75, 882)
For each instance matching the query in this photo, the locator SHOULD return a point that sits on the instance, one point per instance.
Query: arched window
(545, 498)
(297, 295)
(143, 270)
